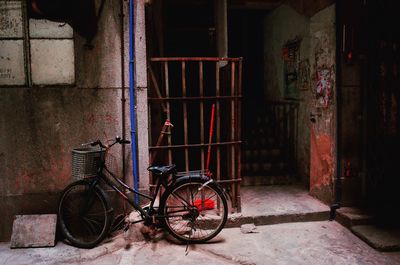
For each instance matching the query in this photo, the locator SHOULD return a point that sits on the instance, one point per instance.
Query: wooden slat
(238, 137)
(233, 128)
(185, 117)
(166, 77)
(188, 59)
(194, 145)
(218, 120)
(201, 90)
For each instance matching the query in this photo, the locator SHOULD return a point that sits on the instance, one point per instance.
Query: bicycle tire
(84, 214)
(192, 215)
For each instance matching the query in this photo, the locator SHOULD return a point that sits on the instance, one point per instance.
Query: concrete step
(266, 180)
(266, 205)
(264, 168)
(362, 224)
(262, 153)
(236, 221)
(257, 141)
(381, 238)
(351, 216)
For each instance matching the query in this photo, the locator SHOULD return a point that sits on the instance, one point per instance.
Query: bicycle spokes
(193, 213)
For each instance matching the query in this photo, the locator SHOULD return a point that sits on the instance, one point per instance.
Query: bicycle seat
(161, 170)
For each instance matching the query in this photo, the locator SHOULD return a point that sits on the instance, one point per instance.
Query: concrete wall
(323, 131)
(282, 25)
(316, 142)
(39, 126)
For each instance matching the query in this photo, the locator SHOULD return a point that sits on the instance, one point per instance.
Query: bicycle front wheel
(194, 212)
(84, 214)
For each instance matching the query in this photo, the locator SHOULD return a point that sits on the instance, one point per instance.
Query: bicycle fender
(204, 178)
(190, 177)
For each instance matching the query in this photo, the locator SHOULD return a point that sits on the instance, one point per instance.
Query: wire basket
(86, 162)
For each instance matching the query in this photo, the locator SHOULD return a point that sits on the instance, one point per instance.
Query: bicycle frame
(122, 188)
(122, 193)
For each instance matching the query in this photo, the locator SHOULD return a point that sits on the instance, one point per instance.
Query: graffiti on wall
(324, 86)
(291, 60)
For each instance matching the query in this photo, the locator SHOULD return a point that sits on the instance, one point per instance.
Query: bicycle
(192, 207)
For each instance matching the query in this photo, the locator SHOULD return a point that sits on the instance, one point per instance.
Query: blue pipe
(132, 100)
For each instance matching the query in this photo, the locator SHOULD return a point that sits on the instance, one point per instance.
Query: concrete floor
(321, 242)
(289, 238)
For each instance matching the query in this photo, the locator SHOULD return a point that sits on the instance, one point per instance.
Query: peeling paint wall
(41, 125)
(316, 160)
(323, 131)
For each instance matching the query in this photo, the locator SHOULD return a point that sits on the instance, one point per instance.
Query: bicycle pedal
(133, 217)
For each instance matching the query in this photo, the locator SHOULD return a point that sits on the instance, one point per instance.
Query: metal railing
(183, 91)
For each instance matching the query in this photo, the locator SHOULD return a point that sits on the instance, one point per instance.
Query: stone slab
(350, 216)
(34, 231)
(384, 239)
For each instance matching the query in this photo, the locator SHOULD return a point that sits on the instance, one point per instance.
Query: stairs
(267, 157)
(366, 226)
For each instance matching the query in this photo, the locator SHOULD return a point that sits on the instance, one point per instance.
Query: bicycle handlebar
(99, 143)
(122, 141)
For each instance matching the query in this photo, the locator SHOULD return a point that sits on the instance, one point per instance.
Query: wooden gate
(183, 90)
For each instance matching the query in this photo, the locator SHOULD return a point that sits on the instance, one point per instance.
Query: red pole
(209, 141)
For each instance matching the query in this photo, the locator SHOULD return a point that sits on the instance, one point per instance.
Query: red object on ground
(208, 204)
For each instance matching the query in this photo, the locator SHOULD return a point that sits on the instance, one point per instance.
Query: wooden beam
(307, 7)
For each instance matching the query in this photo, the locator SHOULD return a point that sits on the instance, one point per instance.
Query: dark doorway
(246, 39)
(267, 150)
(369, 136)
(189, 29)
(383, 110)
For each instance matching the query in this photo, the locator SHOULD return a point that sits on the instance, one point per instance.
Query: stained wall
(316, 151)
(40, 125)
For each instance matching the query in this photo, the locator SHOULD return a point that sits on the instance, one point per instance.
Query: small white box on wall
(52, 61)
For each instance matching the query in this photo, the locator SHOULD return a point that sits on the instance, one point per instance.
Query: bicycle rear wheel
(84, 214)
(192, 212)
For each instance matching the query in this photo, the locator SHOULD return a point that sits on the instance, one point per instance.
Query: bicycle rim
(84, 215)
(193, 215)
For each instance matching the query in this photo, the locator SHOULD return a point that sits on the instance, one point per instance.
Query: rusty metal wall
(183, 90)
